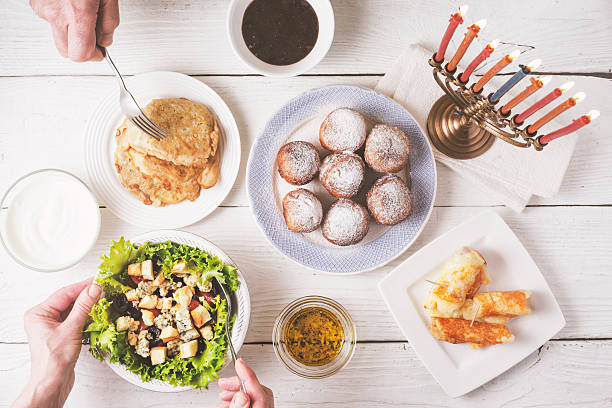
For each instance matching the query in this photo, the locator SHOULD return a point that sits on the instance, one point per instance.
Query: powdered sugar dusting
(389, 200)
(303, 211)
(387, 149)
(346, 223)
(342, 174)
(301, 162)
(343, 130)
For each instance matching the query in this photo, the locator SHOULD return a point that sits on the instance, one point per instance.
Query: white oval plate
(300, 119)
(100, 149)
(241, 300)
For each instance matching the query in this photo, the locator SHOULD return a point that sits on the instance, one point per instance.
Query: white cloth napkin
(511, 174)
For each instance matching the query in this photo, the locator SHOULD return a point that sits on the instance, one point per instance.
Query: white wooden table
(45, 103)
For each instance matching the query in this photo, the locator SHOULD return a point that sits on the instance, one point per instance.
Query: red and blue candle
(515, 79)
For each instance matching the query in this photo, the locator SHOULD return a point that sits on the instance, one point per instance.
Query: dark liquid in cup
(280, 32)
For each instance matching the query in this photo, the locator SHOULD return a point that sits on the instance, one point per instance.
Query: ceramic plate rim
(198, 209)
(159, 385)
(433, 362)
(263, 228)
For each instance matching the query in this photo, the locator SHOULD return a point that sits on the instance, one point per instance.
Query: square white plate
(457, 367)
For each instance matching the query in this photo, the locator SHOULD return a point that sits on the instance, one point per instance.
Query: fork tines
(146, 125)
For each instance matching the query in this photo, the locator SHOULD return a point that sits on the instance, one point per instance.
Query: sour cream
(50, 220)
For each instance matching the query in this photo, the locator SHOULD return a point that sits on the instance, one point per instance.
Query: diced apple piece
(169, 333)
(158, 355)
(183, 295)
(207, 332)
(200, 316)
(179, 267)
(147, 270)
(123, 323)
(148, 302)
(189, 349)
(147, 317)
(159, 279)
(135, 270)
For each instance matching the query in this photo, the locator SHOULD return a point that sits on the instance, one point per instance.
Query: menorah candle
(571, 102)
(515, 79)
(484, 54)
(471, 33)
(535, 85)
(554, 94)
(496, 68)
(576, 124)
(455, 20)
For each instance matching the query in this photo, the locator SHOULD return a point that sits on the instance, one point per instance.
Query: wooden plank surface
(45, 102)
(191, 37)
(49, 115)
(379, 375)
(570, 247)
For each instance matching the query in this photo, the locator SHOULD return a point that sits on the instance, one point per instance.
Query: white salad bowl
(325, 15)
(241, 304)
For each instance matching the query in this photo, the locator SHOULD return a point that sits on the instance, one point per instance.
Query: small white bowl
(325, 15)
(15, 246)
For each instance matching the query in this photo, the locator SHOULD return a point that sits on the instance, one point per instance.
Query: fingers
(226, 396)
(60, 300)
(253, 387)
(82, 35)
(60, 37)
(230, 384)
(240, 400)
(108, 20)
(82, 306)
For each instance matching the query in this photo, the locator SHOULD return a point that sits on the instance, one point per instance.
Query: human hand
(258, 395)
(54, 334)
(78, 25)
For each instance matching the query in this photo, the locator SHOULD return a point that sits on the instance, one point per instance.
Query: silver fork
(130, 107)
(228, 301)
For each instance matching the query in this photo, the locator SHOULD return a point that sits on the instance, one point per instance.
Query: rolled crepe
(478, 334)
(461, 278)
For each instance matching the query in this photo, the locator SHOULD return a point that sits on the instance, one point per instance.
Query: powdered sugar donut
(346, 223)
(342, 174)
(302, 210)
(298, 162)
(389, 200)
(387, 149)
(343, 130)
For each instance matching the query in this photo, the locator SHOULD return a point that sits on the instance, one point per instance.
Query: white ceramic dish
(100, 148)
(300, 119)
(325, 14)
(457, 367)
(241, 304)
(80, 249)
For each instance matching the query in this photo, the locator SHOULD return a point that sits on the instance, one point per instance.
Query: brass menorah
(464, 124)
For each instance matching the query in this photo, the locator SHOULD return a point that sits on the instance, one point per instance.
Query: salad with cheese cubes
(160, 315)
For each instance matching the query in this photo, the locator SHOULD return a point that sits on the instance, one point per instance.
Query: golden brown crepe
(155, 171)
(193, 130)
(464, 331)
(461, 277)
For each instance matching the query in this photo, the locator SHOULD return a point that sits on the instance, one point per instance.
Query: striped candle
(515, 79)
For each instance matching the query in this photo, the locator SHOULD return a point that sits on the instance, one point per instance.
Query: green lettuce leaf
(107, 343)
(122, 253)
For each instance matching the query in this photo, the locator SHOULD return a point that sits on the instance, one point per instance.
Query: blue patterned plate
(299, 120)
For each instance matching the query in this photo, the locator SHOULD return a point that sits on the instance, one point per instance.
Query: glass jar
(343, 356)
